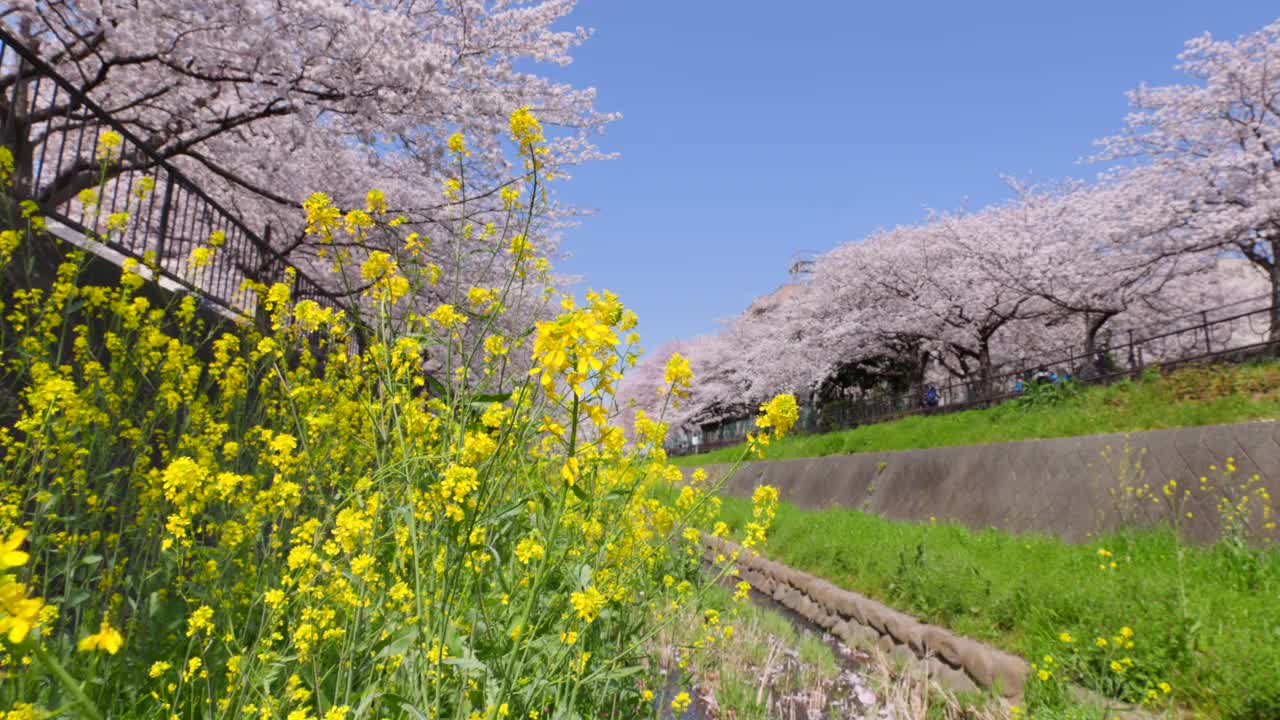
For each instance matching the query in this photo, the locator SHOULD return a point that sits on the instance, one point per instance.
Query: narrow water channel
(847, 695)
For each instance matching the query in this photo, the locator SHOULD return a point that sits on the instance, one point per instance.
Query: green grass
(1206, 620)
(1194, 396)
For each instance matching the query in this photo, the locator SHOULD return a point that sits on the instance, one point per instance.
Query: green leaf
(366, 700)
(487, 398)
(412, 710)
(582, 575)
(467, 663)
(397, 644)
(75, 598)
(623, 672)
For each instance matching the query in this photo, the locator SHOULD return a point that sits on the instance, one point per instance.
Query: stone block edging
(955, 661)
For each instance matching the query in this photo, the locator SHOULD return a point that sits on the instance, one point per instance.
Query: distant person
(1053, 377)
(1041, 376)
(931, 396)
(1018, 387)
(1102, 364)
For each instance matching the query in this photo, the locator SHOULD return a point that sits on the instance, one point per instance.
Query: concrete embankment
(1069, 487)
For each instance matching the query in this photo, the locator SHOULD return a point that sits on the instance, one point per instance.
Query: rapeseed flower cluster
(324, 513)
(1112, 664)
(778, 415)
(20, 612)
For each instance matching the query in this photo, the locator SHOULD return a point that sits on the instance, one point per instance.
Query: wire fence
(54, 129)
(1237, 332)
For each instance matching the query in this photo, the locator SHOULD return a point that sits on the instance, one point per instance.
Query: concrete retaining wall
(1058, 486)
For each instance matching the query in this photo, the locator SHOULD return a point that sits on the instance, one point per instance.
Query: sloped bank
(1060, 486)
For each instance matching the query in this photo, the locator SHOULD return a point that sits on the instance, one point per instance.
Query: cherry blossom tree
(1216, 142)
(1090, 251)
(847, 322)
(717, 394)
(947, 294)
(266, 102)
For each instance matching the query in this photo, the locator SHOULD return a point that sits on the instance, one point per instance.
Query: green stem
(69, 683)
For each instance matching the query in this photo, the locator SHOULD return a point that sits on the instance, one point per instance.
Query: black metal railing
(1238, 332)
(56, 132)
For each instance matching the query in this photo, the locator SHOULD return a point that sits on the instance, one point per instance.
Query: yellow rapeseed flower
(780, 413)
(446, 316)
(382, 271)
(117, 221)
(678, 375)
(526, 131)
(201, 619)
(6, 165)
(10, 555)
(458, 145)
(528, 550)
(107, 638)
(109, 144)
(144, 187)
(200, 257)
(481, 298)
(588, 603)
(18, 613)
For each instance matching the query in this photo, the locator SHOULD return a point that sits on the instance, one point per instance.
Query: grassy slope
(1021, 592)
(1195, 396)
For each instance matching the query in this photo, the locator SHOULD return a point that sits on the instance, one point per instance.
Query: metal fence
(1238, 332)
(54, 130)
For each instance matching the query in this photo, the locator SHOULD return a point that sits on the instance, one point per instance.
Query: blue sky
(752, 130)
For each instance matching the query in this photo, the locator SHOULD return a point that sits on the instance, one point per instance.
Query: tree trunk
(1273, 270)
(1093, 323)
(13, 134)
(984, 370)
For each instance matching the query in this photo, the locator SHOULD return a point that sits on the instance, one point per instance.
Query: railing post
(1208, 339)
